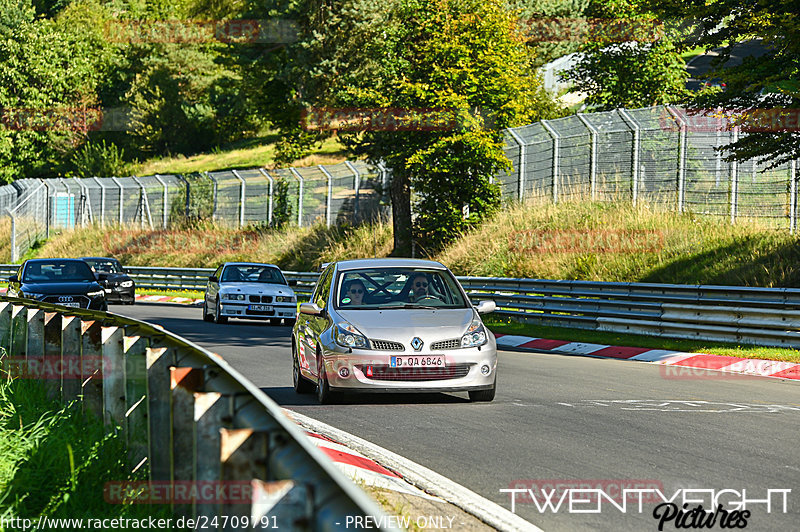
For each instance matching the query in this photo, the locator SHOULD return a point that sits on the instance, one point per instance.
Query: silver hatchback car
(392, 325)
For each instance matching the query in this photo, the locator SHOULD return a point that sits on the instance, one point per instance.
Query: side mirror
(311, 309)
(485, 307)
(13, 279)
(292, 282)
(213, 279)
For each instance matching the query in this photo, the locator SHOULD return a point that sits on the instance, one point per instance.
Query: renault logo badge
(416, 343)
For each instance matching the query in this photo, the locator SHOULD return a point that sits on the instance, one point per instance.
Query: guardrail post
(592, 155)
(242, 197)
(211, 410)
(184, 382)
(328, 196)
(135, 349)
(556, 150)
(289, 505)
(792, 196)
(243, 456)
(70, 358)
(34, 334)
(6, 326)
(53, 368)
(521, 168)
(356, 186)
(113, 377)
(158, 413)
(19, 333)
(635, 147)
(92, 367)
(269, 205)
(300, 179)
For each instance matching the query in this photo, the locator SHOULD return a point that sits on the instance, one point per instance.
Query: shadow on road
(286, 396)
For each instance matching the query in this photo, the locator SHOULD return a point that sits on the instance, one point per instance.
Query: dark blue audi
(67, 282)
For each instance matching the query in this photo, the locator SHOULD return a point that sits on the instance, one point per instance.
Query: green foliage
(98, 159)
(282, 206)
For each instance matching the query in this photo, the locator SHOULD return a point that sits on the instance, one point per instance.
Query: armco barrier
(186, 415)
(752, 315)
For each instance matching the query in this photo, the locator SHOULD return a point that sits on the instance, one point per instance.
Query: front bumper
(462, 371)
(242, 309)
(117, 294)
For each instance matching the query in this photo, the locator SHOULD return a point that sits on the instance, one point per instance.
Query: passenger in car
(353, 293)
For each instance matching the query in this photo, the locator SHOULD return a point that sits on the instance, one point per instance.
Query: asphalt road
(558, 418)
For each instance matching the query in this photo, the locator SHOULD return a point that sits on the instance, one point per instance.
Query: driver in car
(419, 288)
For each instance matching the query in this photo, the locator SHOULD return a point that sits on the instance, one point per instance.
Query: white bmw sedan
(392, 325)
(249, 290)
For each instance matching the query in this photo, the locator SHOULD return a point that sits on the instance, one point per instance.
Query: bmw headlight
(346, 335)
(233, 297)
(475, 335)
(126, 284)
(284, 299)
(96, 294)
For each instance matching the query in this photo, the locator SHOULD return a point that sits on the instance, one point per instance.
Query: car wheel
(206, 315)
(324, 394)
(218, 317)
(483, 396)
(301, 384)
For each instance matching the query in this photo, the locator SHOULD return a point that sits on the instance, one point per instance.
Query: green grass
(505, 326)
(193, 294)
(251, 153)
(55, 461)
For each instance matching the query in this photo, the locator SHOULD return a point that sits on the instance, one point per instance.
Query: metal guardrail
(186, 414)
(752, 315)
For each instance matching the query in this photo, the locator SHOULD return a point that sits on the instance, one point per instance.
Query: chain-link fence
(348, 192)
(663, 155)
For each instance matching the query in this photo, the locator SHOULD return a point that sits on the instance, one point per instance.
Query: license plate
(261, 308)
(72, 305)
(108, 290)
(421, 361)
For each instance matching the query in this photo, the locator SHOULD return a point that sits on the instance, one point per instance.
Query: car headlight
(475, 335)
(126, 284)
(346, 335)
(284, 299)
(31, 295)
(96, 294)
(233, 297)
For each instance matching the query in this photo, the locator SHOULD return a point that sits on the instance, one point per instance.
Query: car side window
(218, 273)
(323, 288)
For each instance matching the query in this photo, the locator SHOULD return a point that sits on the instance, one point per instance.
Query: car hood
(77, 287)
(256, 288)
(404, 324)
(114, 277)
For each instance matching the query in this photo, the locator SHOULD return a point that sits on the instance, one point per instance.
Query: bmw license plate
(261, 308)
(421, 361)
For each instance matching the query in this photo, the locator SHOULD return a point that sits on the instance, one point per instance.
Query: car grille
(387, 373)
(260, 299)
(385, 345)
(83, 301)
(455, 343)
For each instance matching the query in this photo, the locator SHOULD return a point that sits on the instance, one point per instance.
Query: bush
(98, 159)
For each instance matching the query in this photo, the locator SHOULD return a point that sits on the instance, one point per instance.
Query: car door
(313, 326)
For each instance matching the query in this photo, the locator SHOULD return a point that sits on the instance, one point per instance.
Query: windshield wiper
(408, 305)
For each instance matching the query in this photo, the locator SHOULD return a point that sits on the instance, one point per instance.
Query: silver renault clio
(392, 325)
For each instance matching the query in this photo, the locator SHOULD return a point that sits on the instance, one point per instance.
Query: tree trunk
(401, 214)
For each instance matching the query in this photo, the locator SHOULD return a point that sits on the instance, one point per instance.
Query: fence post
(329, 195)
(213, 194)
(634, 155)
(357, 186)
(242, 197)
(164, 213)
(734, 179)
(188, 192)
(102, 201)
(14, 254)
(556, 149)
(144, 203)
(119, 186)
(521, 169)
(792, 195)
(681, 157)
(269, 206)
(592, 155)
(299, 196)
(86, 205)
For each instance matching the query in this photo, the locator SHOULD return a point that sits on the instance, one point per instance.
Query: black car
(67, 282)
(112, 277)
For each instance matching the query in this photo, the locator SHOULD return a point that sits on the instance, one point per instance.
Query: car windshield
(105, 266)
(57, 271)
(249, 273)
(398, 288)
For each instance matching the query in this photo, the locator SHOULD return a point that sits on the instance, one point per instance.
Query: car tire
(218, 317)
(301, 384)
(483, 396)
(324, 394)
(206, 315)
